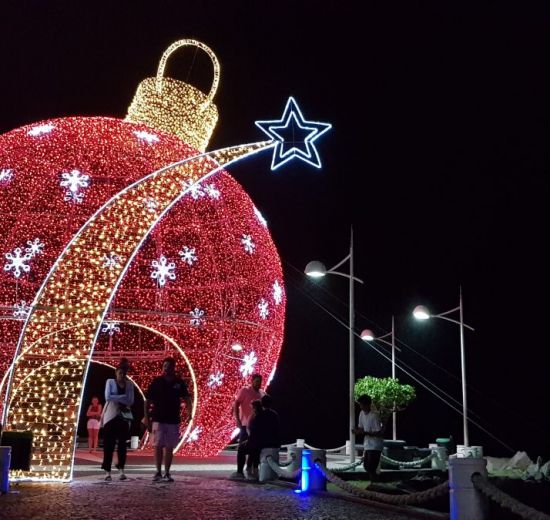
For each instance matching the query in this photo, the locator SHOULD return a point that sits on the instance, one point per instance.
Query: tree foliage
(388, 395)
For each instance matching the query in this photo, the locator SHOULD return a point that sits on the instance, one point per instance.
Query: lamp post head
(421, 313)
(315, 269)
(367, 335)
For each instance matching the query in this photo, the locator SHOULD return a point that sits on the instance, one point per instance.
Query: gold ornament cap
(176, 107)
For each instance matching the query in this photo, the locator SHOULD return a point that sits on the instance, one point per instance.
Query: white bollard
(5, 459)
(266, 473)
(439, 461)
(297, 459)
(134, 442)
(466, 502)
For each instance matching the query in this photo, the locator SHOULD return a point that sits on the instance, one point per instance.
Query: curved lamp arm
(450, 319)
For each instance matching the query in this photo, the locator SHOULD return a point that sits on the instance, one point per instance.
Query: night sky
(438, 157)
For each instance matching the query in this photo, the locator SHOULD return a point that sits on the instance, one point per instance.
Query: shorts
(165, 435)
(93, 424)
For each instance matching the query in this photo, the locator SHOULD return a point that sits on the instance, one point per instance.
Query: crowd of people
(253, 411)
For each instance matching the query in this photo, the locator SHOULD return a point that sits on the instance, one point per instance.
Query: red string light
(207, 277)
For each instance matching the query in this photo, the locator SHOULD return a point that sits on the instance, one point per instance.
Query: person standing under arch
(163, 400)
(94, 415)
(116, 419)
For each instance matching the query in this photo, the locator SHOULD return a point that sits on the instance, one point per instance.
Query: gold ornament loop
(200, 45)
(174, 106)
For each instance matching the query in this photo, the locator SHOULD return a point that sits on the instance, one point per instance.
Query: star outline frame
(292, 113)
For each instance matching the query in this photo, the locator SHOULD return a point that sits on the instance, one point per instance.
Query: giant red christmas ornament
(108, 252)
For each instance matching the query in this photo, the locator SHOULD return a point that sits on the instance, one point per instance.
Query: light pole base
(466, 502)
(466, 452)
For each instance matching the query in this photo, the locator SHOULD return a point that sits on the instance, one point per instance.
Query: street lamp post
(367, 335)
(316, 269)
(422, 313)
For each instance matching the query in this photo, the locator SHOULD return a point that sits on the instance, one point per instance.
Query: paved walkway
(189, 498)
(201, 491)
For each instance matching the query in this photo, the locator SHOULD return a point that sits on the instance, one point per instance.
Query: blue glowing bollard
(312, 479)
(5, 456)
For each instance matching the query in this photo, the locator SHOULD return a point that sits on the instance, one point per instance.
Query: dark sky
(438, 157)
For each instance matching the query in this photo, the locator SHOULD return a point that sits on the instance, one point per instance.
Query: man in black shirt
(164, 397)
(263, 431)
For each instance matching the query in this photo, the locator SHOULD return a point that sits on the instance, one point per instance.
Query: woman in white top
(94, 415)
(116, 419)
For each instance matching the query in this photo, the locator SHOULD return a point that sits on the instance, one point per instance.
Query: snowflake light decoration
(248, 244)
(212, 191)
(21, 310)
(147, 137)
(111, 261)
(111, 327)
(41, 129)
(263, 309)
(197, 317)
(247, 366)
(35, 247)
(162, 269)
(260, 217)
(71, 196)
(194, 435)
(188, 255)
(151, 204)
(17, 261)
(5, 175)
(277, 292)
(215, 379)
(194, 189)
(73, 181)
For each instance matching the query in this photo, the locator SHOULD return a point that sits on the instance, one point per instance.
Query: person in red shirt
(242, 410)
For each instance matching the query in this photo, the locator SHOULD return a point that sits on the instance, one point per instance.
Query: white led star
(6, 175)
(196, 317)
(35, 247)
(248, 244)
(41, 129)
(294, 136)
(277, 292)
(111, 261)
(212, 191)
(111, 327)
(21, 310)
(162, 269)
(260, 217)
(149, 138)
(247, 366)
(215, 379)
(263, 309)
(188, 255)
(17, 261)
(194, 189)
